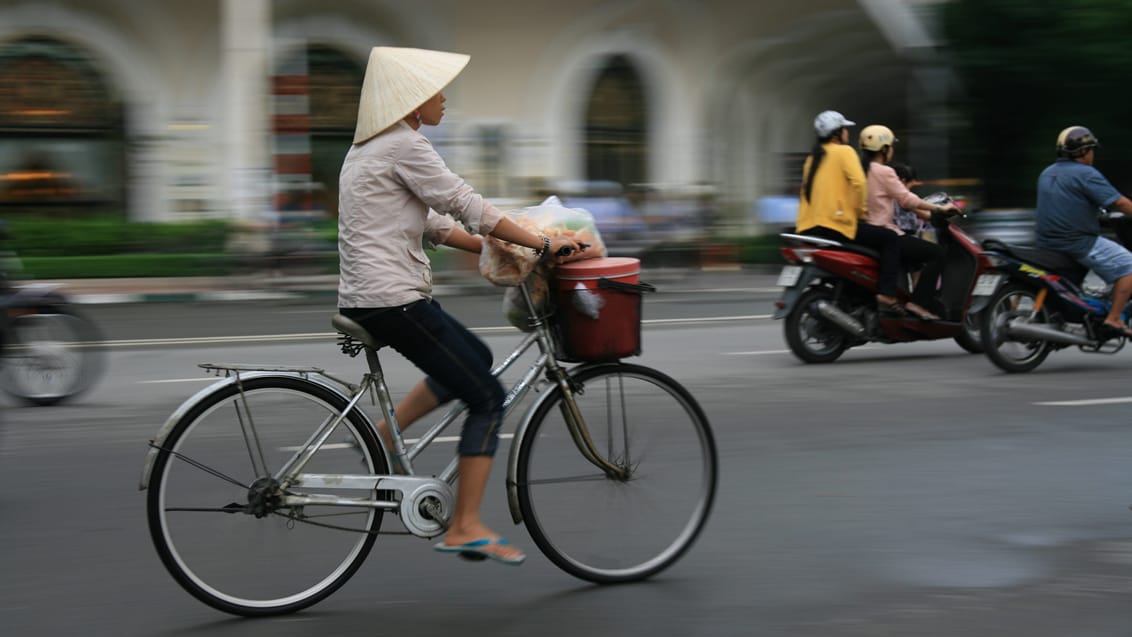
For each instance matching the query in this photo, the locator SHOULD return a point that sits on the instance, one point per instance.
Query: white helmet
(876, 137)
(828, 122)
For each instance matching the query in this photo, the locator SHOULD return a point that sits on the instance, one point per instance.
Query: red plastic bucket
(599, 308)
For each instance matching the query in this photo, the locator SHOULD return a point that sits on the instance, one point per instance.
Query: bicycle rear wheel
(206, 485)
(609, 530)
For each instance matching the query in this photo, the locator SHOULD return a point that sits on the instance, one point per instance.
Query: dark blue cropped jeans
(457, 363)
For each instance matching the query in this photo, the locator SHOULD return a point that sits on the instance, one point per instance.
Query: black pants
(457, 362)
(883, 240)
(916, 253)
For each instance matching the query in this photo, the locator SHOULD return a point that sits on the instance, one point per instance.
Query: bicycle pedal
(473, 557)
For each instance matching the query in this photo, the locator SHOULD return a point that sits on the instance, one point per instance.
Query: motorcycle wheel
(811, 337)
(50, 357)
(1011, 301)
(971, 338)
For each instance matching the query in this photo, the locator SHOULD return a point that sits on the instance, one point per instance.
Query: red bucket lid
(600, 267)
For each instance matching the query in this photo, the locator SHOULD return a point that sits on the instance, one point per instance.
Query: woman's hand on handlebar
(949, 210)
(561, 247)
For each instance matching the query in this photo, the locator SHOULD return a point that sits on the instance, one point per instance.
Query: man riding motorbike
(1070, 193)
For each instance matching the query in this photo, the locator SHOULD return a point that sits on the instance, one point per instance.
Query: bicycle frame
(290, 474)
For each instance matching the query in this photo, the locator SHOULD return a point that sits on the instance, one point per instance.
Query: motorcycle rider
(832, 203)
(885, 191)
(1070, 193)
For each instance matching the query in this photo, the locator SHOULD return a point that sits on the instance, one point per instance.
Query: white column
(245, 36)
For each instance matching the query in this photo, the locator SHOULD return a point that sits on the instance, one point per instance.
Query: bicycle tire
(204, 554)
(53, 356)
(561, 513)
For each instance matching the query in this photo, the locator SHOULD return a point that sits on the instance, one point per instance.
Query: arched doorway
(335, 86)
(62, 131)
(317, 90)
(616, 126)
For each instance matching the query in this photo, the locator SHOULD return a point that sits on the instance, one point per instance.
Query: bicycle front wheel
(621, 528)
(213, 509)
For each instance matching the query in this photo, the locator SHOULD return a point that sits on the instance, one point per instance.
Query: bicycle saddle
(350, 328)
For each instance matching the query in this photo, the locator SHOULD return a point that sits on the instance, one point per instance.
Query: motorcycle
(49, 350)
(829, 296)
(1037, 302)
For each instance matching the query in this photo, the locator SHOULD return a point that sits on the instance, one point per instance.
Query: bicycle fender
(158, 441)
(520, 434)
(513, 455)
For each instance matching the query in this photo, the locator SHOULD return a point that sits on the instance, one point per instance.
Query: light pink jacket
(389, 193)
(884, 187)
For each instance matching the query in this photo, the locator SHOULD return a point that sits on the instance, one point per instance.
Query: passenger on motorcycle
(832, 203)
(1070, 194)
(910, 222)
(885, 192)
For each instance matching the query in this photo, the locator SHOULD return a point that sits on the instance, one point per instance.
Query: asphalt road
(903, 490)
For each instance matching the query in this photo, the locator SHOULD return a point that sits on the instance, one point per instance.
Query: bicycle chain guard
(423, 504)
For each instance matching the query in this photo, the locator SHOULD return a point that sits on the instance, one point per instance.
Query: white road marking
(714, 319)
(211, 340)
(408, 441)
(1086, 402)
(321, 336)
(758, 353)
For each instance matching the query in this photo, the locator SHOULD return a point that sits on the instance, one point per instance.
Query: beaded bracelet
(545, 247)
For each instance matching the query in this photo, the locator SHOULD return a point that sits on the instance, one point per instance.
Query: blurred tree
(1030, 68)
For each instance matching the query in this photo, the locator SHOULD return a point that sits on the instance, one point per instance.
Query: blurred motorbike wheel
(50, 356)
(811, 337)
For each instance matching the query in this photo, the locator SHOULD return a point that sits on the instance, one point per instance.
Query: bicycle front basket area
(599, 308)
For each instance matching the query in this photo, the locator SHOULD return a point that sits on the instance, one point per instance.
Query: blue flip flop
(476, 550)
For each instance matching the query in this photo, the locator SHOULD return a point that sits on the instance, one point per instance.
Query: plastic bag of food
(508, 264)
(538, 285)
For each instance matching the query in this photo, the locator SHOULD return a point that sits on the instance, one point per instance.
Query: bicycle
(250, 475)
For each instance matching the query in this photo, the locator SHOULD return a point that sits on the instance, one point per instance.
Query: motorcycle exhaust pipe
(840, 319)
(1042, 332)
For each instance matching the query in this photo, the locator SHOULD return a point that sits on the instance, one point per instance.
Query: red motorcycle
(829, 300)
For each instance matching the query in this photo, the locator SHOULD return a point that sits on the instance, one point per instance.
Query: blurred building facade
(238, 109)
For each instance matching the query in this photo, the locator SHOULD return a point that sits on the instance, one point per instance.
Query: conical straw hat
(398, 80)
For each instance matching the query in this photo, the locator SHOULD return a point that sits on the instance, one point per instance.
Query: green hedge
(125, 265)
(56, 237)
(112, 247)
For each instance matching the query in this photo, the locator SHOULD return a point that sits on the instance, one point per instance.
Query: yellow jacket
(837, 200)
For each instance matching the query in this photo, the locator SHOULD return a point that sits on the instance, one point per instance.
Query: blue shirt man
(1070, 195)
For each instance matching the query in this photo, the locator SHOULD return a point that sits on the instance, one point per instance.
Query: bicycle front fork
(579, 432)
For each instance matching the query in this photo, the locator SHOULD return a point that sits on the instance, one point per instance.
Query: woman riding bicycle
(396, 193)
